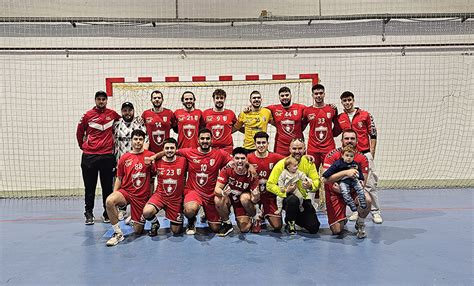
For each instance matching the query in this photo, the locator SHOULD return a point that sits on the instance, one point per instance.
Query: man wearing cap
(94, 136)
(123, 129)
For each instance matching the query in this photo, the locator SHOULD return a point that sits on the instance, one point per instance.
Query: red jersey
(158, 126)
(323, 127)
(203, 169)
(237, 183)
(136, 176)
(188, 127)
(336, 154)
(264, 167)
(171, 177)
(220, 123)
(94, 132)
(289, 125)
(363, 124)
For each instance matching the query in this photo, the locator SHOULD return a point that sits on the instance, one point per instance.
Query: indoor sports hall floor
(426, 239)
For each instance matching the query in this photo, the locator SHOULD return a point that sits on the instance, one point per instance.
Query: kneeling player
(236, 186)
(171, 170)
(132, 186)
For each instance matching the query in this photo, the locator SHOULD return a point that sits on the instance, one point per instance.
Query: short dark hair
(187, 91)
(156, 92)
(171, 140)
(138, 132)
(346, 94)
(255, 92)
(284, 89)
(317, 86)
(204, 130)
(100, 93)
(348, 131)
(219, 91)
(261, 134)
(239, 150)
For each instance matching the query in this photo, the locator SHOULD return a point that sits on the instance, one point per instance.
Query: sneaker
(377, 218)
(354, 216)
(360, 228)
(154, 229)
(291, 227)
(225, 229)
(191, 227)
(105, 218)
(89, 218)
(115, 239)
(122, 214)
(256, 226)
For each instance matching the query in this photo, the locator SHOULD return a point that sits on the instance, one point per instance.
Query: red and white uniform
(238, 184)
(323, 127)
(188, 127)
(289, 125)
(203, 169)
(170, 187)
(136, 177)
(220, 123)
(335, 205)
(264, 167)
(363, 124)
(158, 126)
(95, 133)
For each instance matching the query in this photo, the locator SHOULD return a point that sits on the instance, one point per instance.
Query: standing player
(264, 161)
(236, 186)
(220, 121)
(362, 123)
(132, 186)
(336, 206)
(322, 120)
(94, 136)
(189, 120)
(288, 120)
(158, 122)
(253, 121)
(171, 170)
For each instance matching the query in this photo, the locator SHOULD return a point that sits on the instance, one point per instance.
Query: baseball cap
(100, 93)
(127, 104)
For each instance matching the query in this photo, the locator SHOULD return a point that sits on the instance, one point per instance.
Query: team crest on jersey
(158, 136)
(169, 186)
(295, 112)
(212, 162)
(328, 115)
(224, 118)
(321, 133)
(165, 118)
(196, 117)
(201, 178)
(360, 124)
(217, 131)
(178, 172)
(288, 126)
(311, 116)
(138, 179)
(189, 130)
(270, 166)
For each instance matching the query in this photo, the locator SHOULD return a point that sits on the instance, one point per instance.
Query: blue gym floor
(426, 239)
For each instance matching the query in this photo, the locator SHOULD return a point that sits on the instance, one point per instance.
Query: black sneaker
(89, 218)
(225, 229)
(191, 227)
(291, 227)
(154, 229)
(105, 218)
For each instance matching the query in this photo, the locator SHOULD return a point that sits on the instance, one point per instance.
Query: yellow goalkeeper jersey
(253, 122)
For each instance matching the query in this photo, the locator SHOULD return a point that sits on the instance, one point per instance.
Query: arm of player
(81, 132)
(151, 159)
(221, 190)
(373, 145)
(118, 183)
(255, 194)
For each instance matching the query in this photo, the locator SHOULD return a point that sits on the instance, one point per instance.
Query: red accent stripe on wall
(108, 84)
(172, 78)
(252, 77)
(199, 78)
(279, 76)
(225, 77)
(145, 79)
(313, 76)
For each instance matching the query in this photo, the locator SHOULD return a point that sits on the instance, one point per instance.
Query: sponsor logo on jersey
(158, 136)
(108, 118)
(311, 116)
(320, 133)
(197, 161)
(278, 113)
(217, 131)
(201, 179)
(288, 126)
(169, 186)
(189, 130)
(209, 118)
(149, 120)
(128, 162)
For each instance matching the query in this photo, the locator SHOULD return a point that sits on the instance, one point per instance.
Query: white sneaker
(360, 228)
(377, 218)
(354, 216)
(115, 239)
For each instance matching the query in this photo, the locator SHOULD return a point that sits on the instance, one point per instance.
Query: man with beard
(303, 215)
(254, 120)
(123, 129)
(171, 170)
(236, 186)
(132, 186)
(362, 123)
(288, 120)
(189, 120)
(94, 136)
(158, 122)
(220, 121)
(336, 206)
(264, 161)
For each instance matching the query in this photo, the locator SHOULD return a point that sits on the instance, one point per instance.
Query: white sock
(117, 228)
